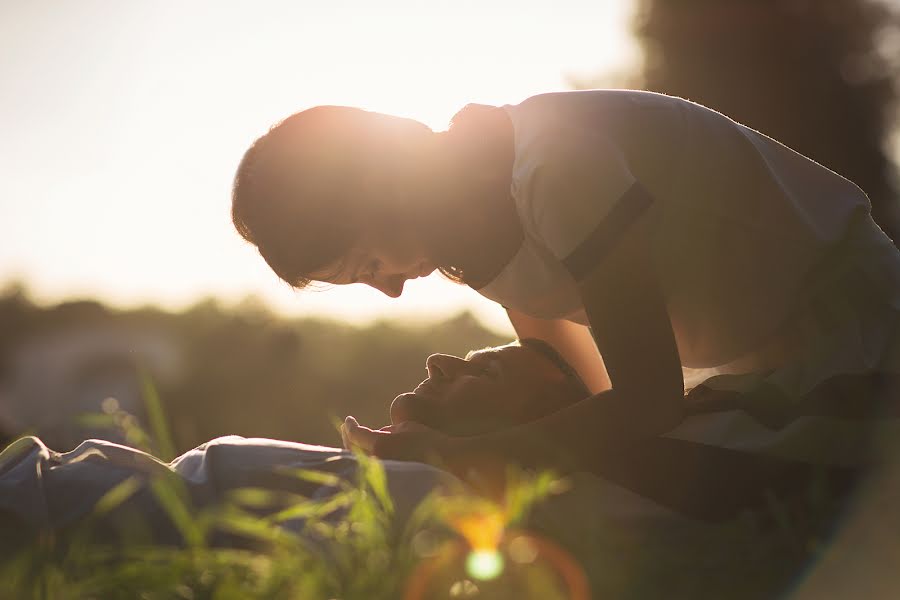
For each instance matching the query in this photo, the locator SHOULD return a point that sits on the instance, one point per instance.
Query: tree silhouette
(820, 76)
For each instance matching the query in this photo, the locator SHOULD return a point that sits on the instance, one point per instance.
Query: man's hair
(551, 354)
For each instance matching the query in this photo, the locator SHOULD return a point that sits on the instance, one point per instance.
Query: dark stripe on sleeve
(597, 245)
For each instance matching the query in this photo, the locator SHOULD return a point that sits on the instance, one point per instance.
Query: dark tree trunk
(818, 75)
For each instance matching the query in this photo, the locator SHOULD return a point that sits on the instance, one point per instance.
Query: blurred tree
(821, 76)
(244, 370)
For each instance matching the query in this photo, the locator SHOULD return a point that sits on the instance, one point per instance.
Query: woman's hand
(413, 441)
(405, 441)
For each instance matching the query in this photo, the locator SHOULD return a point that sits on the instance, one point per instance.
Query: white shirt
(743, 228)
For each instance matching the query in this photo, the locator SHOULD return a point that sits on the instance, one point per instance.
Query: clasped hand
(408, 440)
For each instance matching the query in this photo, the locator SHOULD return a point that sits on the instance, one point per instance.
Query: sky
(123, 122)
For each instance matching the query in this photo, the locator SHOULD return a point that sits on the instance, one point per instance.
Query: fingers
(345, 441)
(404, 441)
(404, 427)
(357, 436)
(401, 445)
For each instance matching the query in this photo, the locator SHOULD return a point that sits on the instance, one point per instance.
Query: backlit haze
(121, 125)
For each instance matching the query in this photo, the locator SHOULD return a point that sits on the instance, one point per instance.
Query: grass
(539, 543)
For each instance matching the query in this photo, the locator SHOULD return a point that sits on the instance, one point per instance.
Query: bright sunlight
(140, 112)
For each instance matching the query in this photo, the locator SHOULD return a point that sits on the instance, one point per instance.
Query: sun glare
(128, 178)
(484, 564)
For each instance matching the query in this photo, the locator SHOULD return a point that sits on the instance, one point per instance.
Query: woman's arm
(573, 341)
(630, 322)
(631, 325)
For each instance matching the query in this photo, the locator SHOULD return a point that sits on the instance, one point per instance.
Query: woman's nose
(443, 366)
(391, 286)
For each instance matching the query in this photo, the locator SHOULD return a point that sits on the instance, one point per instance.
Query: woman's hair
(470, 135)
(303, 191)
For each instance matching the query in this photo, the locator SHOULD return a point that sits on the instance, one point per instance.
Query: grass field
(542, 541)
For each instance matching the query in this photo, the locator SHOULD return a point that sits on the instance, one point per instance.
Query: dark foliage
(243, 370)
(818, 75)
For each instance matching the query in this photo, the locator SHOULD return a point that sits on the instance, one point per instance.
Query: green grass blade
(116, 496)
(375, 478)
(319, 477)
(157, 418)
(314, 508)
(166, 492)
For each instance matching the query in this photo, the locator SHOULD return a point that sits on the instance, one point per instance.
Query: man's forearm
(578, 437)
(702, 481)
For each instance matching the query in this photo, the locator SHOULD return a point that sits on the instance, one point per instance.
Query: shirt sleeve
(581, 198)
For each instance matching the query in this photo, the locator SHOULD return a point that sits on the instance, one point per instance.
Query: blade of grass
(157, 418)
(173, 502)
(116, 496)
(374, 476)
(320, 477)
(314, 508)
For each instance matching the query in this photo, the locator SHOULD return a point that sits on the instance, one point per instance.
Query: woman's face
(393, 246)
(384, 261)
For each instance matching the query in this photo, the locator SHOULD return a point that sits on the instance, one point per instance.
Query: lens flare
(525, 551)
(484, 564)
(482, 529)
(485, 547)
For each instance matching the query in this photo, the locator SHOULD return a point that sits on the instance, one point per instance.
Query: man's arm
(633, 332)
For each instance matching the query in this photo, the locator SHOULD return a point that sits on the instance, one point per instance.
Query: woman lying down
(697, 471)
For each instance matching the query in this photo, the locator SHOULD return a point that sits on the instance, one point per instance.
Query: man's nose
(442, 366)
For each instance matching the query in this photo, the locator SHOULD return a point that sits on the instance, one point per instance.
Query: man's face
(488, 390)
